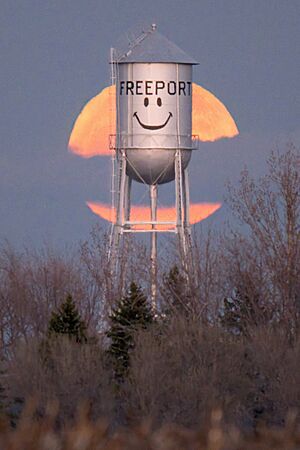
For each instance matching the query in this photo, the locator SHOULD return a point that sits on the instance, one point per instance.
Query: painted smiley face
(152, 127)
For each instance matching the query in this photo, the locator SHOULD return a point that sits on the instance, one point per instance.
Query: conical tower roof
(153, 47)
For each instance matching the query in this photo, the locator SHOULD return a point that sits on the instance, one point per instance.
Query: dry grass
(34, 433)
(180, 371)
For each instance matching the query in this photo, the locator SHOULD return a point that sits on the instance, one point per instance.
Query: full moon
(96, 125)
(97, 121)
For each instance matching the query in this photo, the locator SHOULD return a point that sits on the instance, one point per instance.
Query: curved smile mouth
(152, 127)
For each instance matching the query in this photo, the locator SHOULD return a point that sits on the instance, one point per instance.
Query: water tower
(153, 142)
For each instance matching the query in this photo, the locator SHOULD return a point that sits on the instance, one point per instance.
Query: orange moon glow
(198, 212)
(97, 121)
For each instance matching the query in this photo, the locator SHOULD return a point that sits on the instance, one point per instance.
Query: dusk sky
(54, 58)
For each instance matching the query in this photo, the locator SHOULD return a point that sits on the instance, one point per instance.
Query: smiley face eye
(159, 102)
(146, 101)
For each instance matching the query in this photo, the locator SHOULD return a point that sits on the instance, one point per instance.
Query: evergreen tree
(131, 313)
(67, 321)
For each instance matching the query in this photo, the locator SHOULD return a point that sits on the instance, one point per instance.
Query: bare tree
(207, 285)
(33, 283)
(269, 250)
(194, 288)
(133, 265)
(181, 371)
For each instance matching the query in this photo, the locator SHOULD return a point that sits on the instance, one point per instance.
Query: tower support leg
(186, 199)
(123, 225)
(127, 203)
(181, 209)
(153, 206)
(122, 205)
(190, 267)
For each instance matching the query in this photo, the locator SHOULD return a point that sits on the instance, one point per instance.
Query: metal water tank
(154, 108)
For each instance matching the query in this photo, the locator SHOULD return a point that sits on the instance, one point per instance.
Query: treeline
(225, 335)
